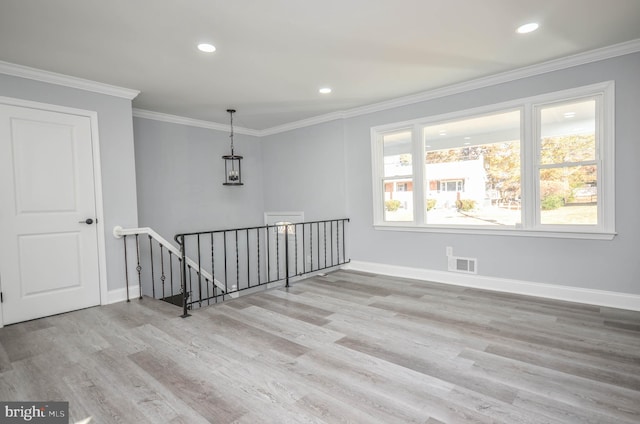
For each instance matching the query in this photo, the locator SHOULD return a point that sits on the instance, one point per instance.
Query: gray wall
(180, 174)
(304, 170)
(116, 151)
(307, 163)
(325, 171)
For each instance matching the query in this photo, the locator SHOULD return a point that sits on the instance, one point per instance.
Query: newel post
(183, 276)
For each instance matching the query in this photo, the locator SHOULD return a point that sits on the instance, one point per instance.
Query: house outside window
(536, 166)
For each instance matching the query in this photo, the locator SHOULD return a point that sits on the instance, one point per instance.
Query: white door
(48, 248)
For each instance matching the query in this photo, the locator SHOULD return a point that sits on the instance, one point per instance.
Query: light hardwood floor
(348, 347)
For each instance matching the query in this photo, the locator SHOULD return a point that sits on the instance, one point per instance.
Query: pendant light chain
(231, 135)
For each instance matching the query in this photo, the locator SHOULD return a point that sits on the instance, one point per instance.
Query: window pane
(473, 171)
(398, 200)
(397, 154)
(568, 133)
(569, 195)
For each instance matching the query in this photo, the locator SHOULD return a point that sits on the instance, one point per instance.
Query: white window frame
(529, 148)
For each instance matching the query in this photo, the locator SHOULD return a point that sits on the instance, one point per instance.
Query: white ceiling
(273, 55)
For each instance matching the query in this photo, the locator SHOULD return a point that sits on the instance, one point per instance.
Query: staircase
(208, 267)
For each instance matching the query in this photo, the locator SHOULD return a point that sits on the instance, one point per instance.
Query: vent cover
(466, 265)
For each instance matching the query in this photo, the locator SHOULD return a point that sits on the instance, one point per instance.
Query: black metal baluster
(199, 273)
(331, 240)
(286, 254)
(268, 255)
(206, 280)
(324, 227)
(190, 287)
(183, 276)
(277, 252)
(295, 239)
(258, 244)
(226, 286)
(344, 246)
(153, 278)
(338, 241)
(138, 267)
(162, 276)
(304, 252)
(126, 266)
(237, 265)
(248, 270)
(311, 245)
(171, 272)
(213, 272)
(318, 238)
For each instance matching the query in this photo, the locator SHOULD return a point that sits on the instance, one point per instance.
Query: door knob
(88, 221)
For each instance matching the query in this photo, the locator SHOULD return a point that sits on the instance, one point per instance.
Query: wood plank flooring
(346, 348)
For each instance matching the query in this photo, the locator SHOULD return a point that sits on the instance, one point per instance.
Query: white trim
(570, 233)
(120, 295)
(66, 80)
(528, 288)
(97, 179)
(298, 214)
(174, 119)
(99, 205)
(314, 120)
(118, 232)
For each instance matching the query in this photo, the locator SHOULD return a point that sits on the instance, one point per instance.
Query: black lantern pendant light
(232, 170)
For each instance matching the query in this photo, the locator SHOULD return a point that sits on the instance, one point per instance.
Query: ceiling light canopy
(527, 28)
(206, 47)
(325, 90)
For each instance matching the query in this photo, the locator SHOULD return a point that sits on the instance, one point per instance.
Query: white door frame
(97, 180)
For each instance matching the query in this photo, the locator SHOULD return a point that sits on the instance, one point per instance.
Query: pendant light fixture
(232, 169)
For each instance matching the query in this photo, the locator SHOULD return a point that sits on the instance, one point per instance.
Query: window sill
(509, 232)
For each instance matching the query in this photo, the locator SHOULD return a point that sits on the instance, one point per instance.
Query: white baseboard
(529, 288)
(120, 295)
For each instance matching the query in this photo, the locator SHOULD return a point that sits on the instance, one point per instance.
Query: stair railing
(248, 258)
(163, 265)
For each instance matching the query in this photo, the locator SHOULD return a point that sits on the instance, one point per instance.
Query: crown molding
(320, 119)
(66, 80)
(181, 120)
(603, 53)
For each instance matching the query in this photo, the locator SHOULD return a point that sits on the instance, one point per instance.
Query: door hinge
(1, 298)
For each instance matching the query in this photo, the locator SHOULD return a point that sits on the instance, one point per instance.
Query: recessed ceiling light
(324, 90)
(466, 144)
(467, 138)
(569, 114)
(526, 28)
(206, 47)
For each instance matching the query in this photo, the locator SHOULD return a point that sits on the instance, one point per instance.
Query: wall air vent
(466, 265)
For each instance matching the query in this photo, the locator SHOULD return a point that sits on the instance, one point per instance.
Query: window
(455, 186)
(397, 176)
(477, 162)
(567, 166)
(535, 166)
